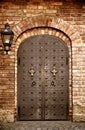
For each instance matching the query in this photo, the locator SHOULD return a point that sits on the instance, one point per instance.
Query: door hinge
(67, 60)
(19, 61)
(18, 110)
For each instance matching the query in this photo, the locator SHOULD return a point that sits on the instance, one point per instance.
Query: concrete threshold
(43, 125)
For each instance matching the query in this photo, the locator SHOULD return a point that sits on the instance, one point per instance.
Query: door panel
(43, 78)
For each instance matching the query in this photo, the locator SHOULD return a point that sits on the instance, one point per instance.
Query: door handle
(32, 72)
(54, 72)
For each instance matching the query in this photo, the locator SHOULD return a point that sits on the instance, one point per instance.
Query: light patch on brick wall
(6, 116)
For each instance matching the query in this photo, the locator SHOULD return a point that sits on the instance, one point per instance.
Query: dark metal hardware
(7, 36)
(54, 72)
(18, 60)
(33, 83)
(67, 60)
(32, 72)
(18, 110)
(52, 83)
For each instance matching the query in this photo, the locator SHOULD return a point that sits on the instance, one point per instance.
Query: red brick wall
(24, 15)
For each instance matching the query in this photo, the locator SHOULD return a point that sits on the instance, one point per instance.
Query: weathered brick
(65, 16)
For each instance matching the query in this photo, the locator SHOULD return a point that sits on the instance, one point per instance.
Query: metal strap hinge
(19, 110)
(67, 60)
(19, 61)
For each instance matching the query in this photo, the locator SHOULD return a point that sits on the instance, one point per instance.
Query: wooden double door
(43, 76)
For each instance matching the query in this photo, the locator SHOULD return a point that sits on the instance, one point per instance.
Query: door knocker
(53, 84)
(33, 83)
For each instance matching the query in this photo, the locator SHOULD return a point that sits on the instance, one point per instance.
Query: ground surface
(43, 125)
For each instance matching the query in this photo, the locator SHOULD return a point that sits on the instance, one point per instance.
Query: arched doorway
(43, 76)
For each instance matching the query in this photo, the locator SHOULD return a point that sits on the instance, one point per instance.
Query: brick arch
(47, 21)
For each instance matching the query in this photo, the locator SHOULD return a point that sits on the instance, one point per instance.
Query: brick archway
(52, 26)
(47, 21)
